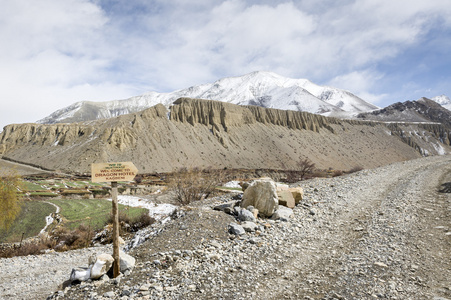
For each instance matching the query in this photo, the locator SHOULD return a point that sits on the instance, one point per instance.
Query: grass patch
(30, 221)
(90, 212)
(30, 186)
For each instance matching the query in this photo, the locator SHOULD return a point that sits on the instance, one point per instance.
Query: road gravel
(383, 233)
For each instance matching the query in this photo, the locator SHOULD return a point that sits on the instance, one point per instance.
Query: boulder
(298, 194)
(80, 274)
(286, 198)
(282, 214)
(236, 229)
(127, 262)
(100, 264)
(261, 194)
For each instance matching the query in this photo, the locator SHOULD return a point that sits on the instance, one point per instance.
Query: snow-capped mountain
(265, 89)
(443, 101)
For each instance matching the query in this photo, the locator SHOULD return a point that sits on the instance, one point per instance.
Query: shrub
(306, 167)
(66, 239)
(194, 184)
(33, 247)
(9, 199)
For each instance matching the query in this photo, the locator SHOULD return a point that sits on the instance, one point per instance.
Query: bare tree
(305, 166)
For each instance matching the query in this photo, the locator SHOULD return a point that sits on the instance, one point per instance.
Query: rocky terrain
(383, 233)
(422, 110)
(204, 133)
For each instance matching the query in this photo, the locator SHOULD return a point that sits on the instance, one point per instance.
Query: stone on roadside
(127, 262)
(100, 264)
(80, 274)
(298, 194)
(249, 226)
(262, 195)
(283, 214)
(286, 198)
(226, 207)
(245, 215)
(236, 229)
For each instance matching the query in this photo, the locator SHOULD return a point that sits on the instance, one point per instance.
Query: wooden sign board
(115, 171)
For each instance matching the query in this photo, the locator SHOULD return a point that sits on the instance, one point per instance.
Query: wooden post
(116, 265)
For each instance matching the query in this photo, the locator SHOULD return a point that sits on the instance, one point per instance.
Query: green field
(90, 212)
(30, 221)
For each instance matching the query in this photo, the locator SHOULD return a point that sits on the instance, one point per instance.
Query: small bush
(33, 247)
(66, 239)
(194, 184)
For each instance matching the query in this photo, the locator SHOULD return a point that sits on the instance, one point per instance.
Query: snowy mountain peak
(260, 88)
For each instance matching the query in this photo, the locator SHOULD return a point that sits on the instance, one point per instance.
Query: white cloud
(58, 52)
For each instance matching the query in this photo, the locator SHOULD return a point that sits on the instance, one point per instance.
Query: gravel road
(376, 234)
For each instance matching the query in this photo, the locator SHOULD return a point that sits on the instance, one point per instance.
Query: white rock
(100, 264)
(262, 195)
(80, 274)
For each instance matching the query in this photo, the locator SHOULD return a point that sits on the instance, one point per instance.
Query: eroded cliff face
(203, 133)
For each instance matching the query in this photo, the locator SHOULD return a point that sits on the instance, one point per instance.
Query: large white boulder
(100, 264)
(262, 195)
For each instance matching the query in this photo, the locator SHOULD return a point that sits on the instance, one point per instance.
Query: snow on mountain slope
(443, 101)
(265, 89)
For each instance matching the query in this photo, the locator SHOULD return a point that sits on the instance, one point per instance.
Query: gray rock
(246, 215)
(283, 214)
(249, 226)
(127, 262)
(109, 294)
(236, 229)
(81, 274)
(226, 207)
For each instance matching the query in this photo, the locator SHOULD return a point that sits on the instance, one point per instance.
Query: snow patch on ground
(439, 148)
(233, 184)
(156, 211)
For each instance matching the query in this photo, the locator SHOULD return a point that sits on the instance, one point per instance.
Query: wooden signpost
(114, 172)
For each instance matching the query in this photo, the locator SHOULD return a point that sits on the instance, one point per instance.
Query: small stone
(192, 287)
(236, 229)
(380, 264)
(109, 294)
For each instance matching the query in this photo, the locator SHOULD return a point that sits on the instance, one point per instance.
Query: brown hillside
(215, 134)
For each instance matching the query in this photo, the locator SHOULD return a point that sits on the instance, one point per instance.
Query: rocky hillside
(422, 110)
(215, 134)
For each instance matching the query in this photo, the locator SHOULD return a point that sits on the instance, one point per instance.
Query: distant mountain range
(265, 89)
(423, 110)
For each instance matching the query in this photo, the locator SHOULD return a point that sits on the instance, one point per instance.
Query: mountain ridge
(266, 89)
(206, 133)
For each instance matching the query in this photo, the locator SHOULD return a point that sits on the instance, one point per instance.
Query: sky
(57, 52)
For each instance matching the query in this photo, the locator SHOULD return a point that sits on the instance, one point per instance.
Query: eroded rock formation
(205, 133)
